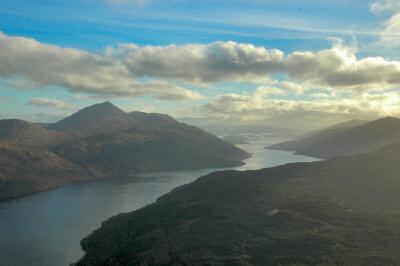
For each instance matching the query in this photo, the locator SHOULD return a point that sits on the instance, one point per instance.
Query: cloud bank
(337, 67)
(129, 70)
(26, 62)
(46, 102)
(316, 110)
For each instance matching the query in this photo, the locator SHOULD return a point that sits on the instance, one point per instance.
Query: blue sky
(243, 91)
(92, 25)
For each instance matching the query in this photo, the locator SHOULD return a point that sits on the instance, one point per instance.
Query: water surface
(46, 228)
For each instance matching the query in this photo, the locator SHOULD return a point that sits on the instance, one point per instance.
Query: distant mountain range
(103, 141)
(345, 139)
(342, 211)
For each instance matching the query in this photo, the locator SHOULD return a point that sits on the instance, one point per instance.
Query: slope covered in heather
(27, 169)
(342, 211)
(171, 147)
(103, 141)
(346, 140)
(15, 131)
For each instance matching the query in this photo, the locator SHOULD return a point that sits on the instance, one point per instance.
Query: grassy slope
(34, 158)
(342, 211)
(27, 169)
(339, 141)
(14, 131)
(173, 147)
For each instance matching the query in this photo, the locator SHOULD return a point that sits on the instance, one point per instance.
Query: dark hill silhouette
(169, 147)
(339, 141)
(346, 124)
(95, 119)
(342, 211)
(26, 169)
(151, 120)
(105, 118)
(103, 141)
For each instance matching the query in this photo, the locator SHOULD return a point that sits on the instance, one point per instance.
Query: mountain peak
(101, 109)
(95, 119)
(106, 118)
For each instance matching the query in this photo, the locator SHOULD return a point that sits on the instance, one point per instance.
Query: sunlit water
(46, 228)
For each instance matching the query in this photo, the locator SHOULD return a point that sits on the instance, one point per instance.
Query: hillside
(103, 141)
(347, 140)
(151, 120)
(172, 147)
(14, 131)
(95, 119)
(342, 211)
(346, 124)
(106, 118)
(27, 169)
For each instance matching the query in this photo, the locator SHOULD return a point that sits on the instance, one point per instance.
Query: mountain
(27, 169)
(350, 123)
(14, 131)
(342, 211)
(106, 118)
(346, 124)
(348, 140)
(103, 141)
(151, 120)
(95, 119)
(171, 147)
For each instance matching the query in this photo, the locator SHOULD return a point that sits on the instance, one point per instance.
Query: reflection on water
(46, 228)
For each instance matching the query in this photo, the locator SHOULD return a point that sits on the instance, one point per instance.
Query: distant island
(103, 141)
(350, 138)
(342, 211)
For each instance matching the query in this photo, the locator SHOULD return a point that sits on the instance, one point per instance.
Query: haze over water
(46, 228)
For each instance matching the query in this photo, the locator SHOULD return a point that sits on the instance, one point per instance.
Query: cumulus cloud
(339, 68)
(46, 102)
(28, 64)
(229, 61)
(197, 63)
(292, 87)
(318, 111)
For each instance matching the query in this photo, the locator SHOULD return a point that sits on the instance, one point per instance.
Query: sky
(295, 64)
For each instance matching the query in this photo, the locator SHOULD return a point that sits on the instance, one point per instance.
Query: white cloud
(319, 111)
(29, 64)
(46, 102)
(293, 87)
(197, 63)
(229, 61)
